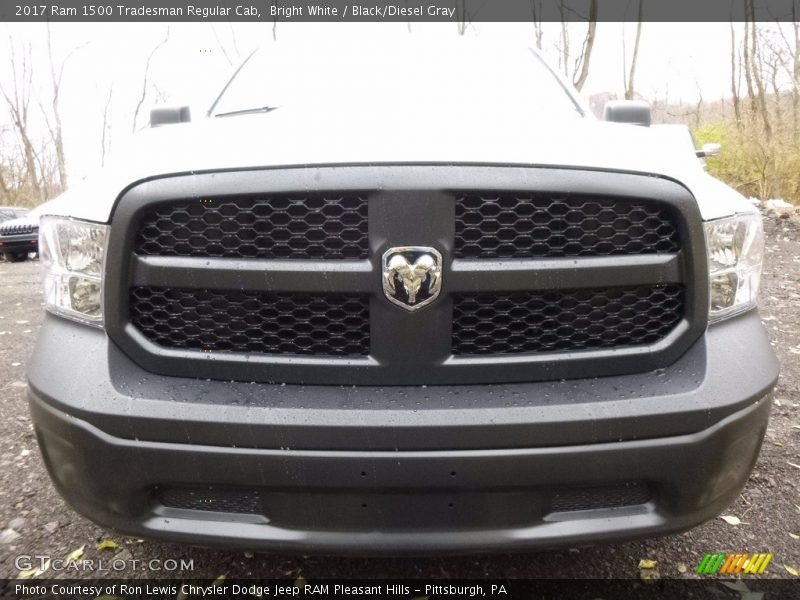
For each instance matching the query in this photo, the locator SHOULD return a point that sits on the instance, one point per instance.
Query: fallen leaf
(794, 465)
(300, 582)
(218, 581)
(647, 563)
(791, 570)
(35, 572)
(75, 554)
(794, 536)
(731, 520)
(107, 545)
(682, 568)
(777, 443)
(28, 573)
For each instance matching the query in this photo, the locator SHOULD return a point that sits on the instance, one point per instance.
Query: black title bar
(711, 588)
(467, 11)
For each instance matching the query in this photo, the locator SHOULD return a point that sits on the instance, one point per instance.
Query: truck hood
(293, 137)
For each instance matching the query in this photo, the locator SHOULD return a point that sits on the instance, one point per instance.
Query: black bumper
(371, 470)
(19, 243)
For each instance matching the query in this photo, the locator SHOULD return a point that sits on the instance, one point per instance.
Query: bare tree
(7, 178)
(758, 75)
(231, 54)
(54, 126)
(463, 16)
(536, 13)
(629, 78)
(233, 40)
(736, 75)
(146, 76)
(748, 67)
(773, 66)
(795, 53)
(756, 90)
(791, 46)
(698, 109)
(274, 23)
(563, 59)
(586, 50)
(221, 46)
(18, 99)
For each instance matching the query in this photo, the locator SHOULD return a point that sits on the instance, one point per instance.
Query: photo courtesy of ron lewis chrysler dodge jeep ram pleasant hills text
(439, 308)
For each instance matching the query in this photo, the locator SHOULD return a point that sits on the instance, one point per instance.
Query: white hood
(292, 137)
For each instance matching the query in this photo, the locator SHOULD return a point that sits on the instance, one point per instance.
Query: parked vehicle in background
(19, 236)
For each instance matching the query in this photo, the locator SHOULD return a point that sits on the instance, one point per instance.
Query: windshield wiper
(247, 111)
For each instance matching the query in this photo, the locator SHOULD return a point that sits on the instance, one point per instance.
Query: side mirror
(634, 112)
(709, 150)
(169, 115)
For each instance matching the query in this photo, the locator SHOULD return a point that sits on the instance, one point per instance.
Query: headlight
(735, 253)
(72, 255)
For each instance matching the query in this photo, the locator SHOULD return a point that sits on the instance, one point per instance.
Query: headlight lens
(735, 254)
(72, 254)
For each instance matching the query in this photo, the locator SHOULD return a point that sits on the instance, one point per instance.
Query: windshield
(458, 77)
(7, 214)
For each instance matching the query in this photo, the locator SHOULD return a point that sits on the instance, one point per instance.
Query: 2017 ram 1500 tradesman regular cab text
(439, 308)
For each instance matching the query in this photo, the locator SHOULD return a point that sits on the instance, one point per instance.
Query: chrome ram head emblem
(412, 276)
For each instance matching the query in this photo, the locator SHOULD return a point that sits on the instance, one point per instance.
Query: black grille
(18, 229)
(616, 496)
(525, 225)
(211, 499)
(314, 226)
(549, 321)
(253, 322)
(196, 269)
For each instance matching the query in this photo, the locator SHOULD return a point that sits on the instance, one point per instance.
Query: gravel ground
(34, 519)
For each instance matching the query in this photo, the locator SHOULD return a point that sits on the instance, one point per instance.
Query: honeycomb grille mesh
(616, 496)
(520, 225)
(315, 226)
(18, 229)
(211, 499)
(549, 321)
(253, 322)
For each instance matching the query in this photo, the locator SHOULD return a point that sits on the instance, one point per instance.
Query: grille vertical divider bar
(411, 341)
